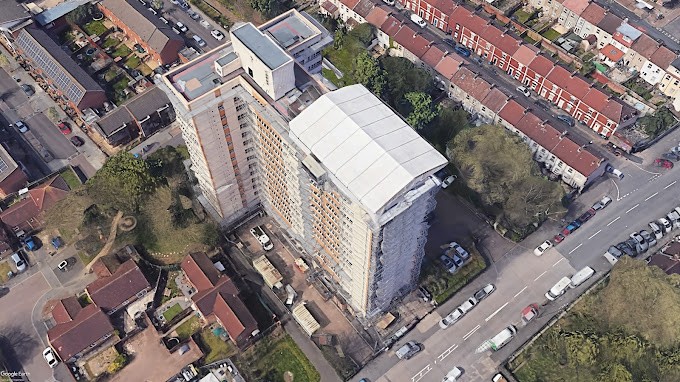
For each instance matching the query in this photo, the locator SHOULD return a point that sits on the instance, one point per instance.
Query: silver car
(648, 238)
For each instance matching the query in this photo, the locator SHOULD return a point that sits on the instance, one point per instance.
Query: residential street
(522, 278)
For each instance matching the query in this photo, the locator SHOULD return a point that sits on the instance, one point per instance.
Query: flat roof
(369, 149)
(261, 45)
(289, 30)
(198, 76)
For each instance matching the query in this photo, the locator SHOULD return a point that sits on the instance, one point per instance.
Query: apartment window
(240, 107)
(250, 157)
(244, 134)
(249, 150)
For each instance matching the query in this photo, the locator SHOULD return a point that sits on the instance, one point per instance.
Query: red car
(64, 128)
(558, 238)
(665, 163)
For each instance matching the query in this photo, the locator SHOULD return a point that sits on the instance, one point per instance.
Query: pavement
(521, 278)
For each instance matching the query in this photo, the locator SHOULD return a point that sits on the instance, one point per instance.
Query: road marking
(518, 293)
(471, 332)
(618, 192)
(539, 276)
(496, 312)
(577, 247)
(651, 196)
(612, 222)
(557, 262)
(670, 184)
(419, 375)
(632, 208)
(593, 235)
(448, 351)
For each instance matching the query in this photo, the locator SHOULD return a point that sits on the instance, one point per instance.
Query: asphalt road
(521, 278)
(174, 13)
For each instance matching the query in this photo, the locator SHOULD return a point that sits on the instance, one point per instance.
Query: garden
(95, 28)
(214, 347)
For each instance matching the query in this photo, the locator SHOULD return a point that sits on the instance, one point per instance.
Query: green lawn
(121, 51)
(330, 75)
(70, 178)
(172, 312)
(172, 285)
(522, 16)
(84, 257)
(133, 62)
(281, 356)
(214, 347)
(110, 42)
(144, 69)
(95, 27)
(121, 84)
(188, 328)
(111, 74)
(551, 34)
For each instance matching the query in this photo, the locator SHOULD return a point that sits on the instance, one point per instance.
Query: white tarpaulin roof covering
(364, 144)
(305, 319)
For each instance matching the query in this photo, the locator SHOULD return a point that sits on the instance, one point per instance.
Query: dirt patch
(127, 223)
(100, 363)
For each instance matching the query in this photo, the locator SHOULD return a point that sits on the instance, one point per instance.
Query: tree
(403, 77)
(166, 162)
(422, 110)
(271, 8)
(80, 14)
(443, 128)
(122, 183)
(363, 33)
(499, 167)
(367, 72)
(615, 373)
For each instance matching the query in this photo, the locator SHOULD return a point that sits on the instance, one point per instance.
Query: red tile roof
(329, 7)
(445, 6)
(66, 310)
(391, 26)
(663, 57)
(111, 292)
(609, 23)
(541, 65)
(363, 7)
(593, 13)
(512, 112)
(350, 3)
(38, 201)
(448, 66)
(623, 40)
(612, 53)
(576, 6)
(667, 263)
(378, 15)
(434, 55)
(495, 100)
(73, 337)
(595, 99)
(412, 41)
(572, 84)
(576, 157)
(525, 54)
(471, 84)
(200, 271)
(645, 46)
(458, 14)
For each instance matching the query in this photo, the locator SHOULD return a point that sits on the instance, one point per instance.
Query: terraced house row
(576, 165)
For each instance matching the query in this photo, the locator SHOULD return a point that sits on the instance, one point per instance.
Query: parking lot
(174, 13)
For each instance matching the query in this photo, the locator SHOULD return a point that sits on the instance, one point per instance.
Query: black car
(566, 119)
(586, 216)
(542, 105)
(450, 42)
(77, 141)
(28, 89)
(625, 248)
(671, 156)
(637, 248)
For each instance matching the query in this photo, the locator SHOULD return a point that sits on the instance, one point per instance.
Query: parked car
(665, 225)
(28, 89)
(566, 119)
(30, 243)
(530, 312)
(451, 318)
(21, 126)
(542, 105)
(615, 252)
(57, 242)
(468, 305)
(448, 263)
(193, 15)
(50, 357)
(651, 241)
(639, 249)
(573, 226)
(459, 250)
(408, 350)
(586, 216)
(64, 128)
(19, 261)
(181, 27)
(542, 248)
(448, 41)
(453, 375)
(457, 260)
(388, 2)
(463, 51)
(63, 266)
(626, 249)
(449, 179)
(424, 294)
(524, 91)
(418, 20)
(604, 202)
(217, 35)
(664, 163)
(198, 40)
(77, 141)
(484, 292)
(671, 156)
(558, 238)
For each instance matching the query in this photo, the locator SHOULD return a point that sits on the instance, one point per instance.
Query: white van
(612, 259)
(198, 40)
(656, 230)
(418, 20)
(502, 338)
(581, 276)
(559, 289)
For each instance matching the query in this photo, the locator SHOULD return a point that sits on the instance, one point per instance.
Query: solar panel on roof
(3, 165)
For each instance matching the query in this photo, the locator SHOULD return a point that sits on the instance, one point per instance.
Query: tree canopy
(271, 8)
(626, 331)
(422, 110)
(122, 182)
(499, 167)
(403, 77)
(367, 72)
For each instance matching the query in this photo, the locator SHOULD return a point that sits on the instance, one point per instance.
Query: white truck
(502, 338)
(262, 238)
(558, 289)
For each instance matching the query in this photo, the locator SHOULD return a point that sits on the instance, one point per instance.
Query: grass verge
(4, 270)
(276, 357)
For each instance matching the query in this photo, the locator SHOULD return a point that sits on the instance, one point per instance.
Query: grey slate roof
(147, 102)
(113, 121)
(138, 18)
(11, 13)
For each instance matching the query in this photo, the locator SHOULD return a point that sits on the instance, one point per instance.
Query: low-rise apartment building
(435, 12)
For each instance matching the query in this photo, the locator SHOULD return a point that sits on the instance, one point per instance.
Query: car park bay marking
(523, 289)
(651, 196)
(496, 312)
(471, 332)
(632, 208)
(577, 247)
(539, 276)
(421, 373)
(593, 235)
(448, 351)
(670, 185)
(612, 222)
